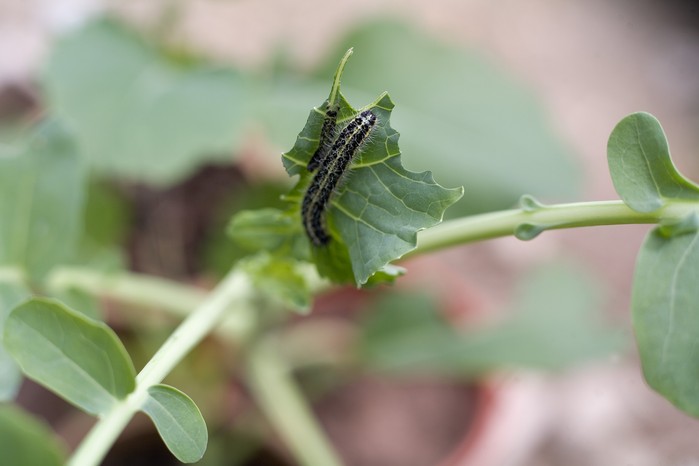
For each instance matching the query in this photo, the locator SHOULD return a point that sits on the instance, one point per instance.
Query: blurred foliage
(232, 448)
(25, 441)
(140, 113)
(554, 323)
(107, 219)
(218, 251)
(12, 292)
(41, 201)
(107, 215)
(281, 280)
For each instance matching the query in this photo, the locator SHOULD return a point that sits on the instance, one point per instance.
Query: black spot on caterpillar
(330, 173)
(327, 135)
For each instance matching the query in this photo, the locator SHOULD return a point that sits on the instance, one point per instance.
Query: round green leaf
(641, 167)
(179, 422)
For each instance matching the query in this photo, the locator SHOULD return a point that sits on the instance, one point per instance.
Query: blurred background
(180, 110)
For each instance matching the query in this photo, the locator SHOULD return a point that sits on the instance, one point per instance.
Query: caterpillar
(331, 169)
(327, 134)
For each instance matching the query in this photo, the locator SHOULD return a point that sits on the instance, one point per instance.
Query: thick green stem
(231, 294)
(527, 223)
(279, 397)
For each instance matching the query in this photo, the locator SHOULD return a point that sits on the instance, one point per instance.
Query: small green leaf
(640, 165)
(79, 359)
(529, 231)
(529, 203)
(280, 278)
(553, 326)
(178, 421)
(269, 230)
(24, 441)
(41, 201)
(375, 215)
(665, 319)
(139, 112)
(13, 290)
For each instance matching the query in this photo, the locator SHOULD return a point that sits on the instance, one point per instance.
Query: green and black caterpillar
(332, 165)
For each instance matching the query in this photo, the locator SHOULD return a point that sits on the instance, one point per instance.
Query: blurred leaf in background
(107, 219)
(556, 323)
(139, 112)
(25, 441)
(13, 290)
(41, 201)
(218, 251)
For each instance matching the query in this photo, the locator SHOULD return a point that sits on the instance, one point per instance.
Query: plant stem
(282, 402)
(231, 294)
(128, 287)
(335, 90)
(520, 221)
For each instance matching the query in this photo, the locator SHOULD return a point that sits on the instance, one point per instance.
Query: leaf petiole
(522, 222)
